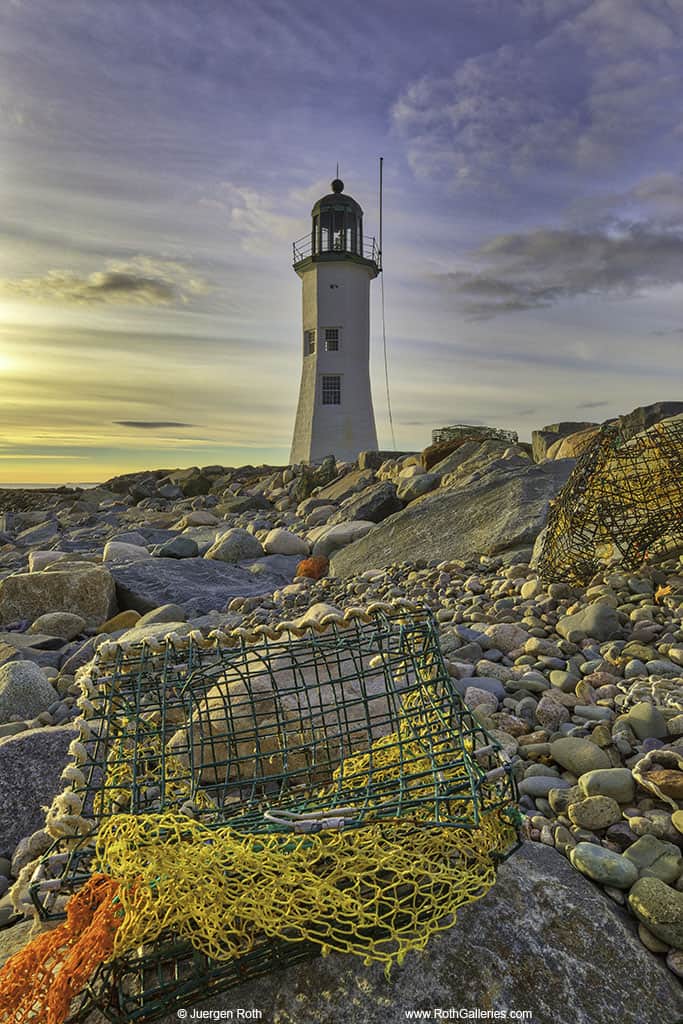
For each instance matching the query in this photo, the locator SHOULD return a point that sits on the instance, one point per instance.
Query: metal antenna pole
(381, 162)
(384, 323)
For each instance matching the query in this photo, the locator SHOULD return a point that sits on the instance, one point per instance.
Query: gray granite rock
(199, 585)
(615, 782)
(24, 690)
(660, 908)
(233, 546)
(416, 486)
(13, 939)
(544, 939)
(599, 621)
(578, 755)
(501, 512)
(343, 487)
(79, 587)
(339, 535)
(30, 766)
(177, 547)
(542, 439)
(373, 504)
(61, 624)
(645, 415)
(604, 866)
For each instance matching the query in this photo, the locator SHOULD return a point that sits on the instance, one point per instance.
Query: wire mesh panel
(623, 501)
(259, 799)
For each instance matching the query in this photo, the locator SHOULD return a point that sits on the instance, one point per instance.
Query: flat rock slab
(501, 512)
(544, 939)
(30, 765)
(199, 585)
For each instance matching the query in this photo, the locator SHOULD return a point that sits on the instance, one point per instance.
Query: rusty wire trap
(623, 502)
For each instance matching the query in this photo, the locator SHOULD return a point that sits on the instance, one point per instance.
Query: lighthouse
(336, 264)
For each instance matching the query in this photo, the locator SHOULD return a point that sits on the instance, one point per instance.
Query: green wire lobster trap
(624, 499)
(262, 798)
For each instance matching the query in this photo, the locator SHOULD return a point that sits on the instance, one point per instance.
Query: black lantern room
(337, 223)
(337, 231)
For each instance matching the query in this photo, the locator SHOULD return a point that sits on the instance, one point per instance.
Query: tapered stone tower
(336, 264)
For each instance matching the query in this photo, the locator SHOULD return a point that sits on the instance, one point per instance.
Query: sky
(158, 158)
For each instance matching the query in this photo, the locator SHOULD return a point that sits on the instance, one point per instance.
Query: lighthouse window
(331, 389)
(332, 339)
(309, 342)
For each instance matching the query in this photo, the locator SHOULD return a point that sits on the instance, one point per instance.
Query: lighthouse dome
(337, 199)
(337, 223)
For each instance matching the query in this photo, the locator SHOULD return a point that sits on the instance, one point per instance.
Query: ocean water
(35, 487)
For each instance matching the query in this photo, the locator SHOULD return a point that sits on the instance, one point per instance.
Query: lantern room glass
(337, 231)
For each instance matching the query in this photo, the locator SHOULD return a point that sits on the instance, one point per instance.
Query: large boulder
(461, 454)
(351, 483)
(79, 587)
(120, 551)
(284, 542)
(244, 503)
(573, 445)
(409, 490)
(488, 458)
(309, 477)
(24, 690)
(543, 439)
(235, 546)
(192, 482)
(30, 766)
(599, 621)
(373, 504)
(40, 534)
(544, 939)
(332, 538)
(646, 415)
(436, 453)
(60, 624)
(199, 585)
(500, 513)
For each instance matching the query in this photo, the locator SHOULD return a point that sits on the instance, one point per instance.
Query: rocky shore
(582, 686)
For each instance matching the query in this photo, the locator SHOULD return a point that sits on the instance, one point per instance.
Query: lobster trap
(258, 799)
(623, 502)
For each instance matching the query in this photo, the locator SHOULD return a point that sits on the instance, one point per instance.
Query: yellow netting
(376, 892)
(372, 861)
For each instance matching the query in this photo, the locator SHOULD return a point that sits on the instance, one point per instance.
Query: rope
(386, 364)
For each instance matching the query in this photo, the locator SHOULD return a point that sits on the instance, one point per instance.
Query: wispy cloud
(140, 281)
(150, 424)
(535, 269)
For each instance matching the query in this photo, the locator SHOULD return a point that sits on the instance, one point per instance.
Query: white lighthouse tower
(336, 264)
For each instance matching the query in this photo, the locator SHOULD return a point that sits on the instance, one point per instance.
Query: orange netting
(43, 978)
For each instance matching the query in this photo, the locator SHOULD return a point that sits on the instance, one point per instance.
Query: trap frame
(215, 776)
